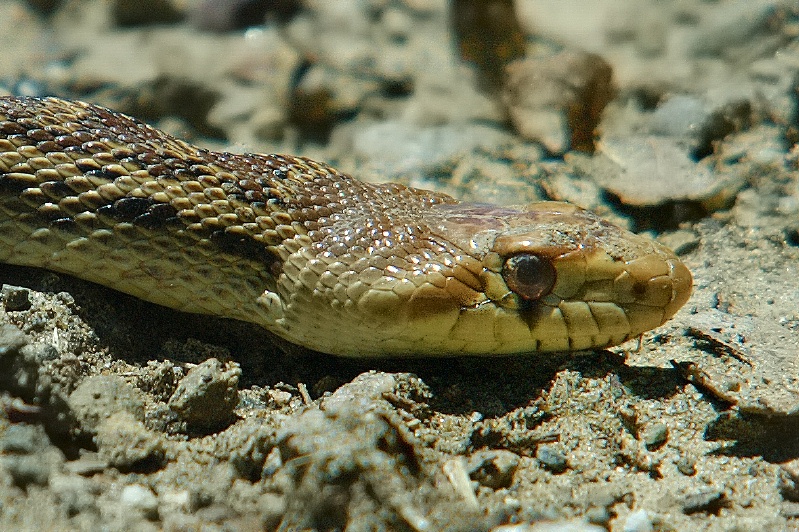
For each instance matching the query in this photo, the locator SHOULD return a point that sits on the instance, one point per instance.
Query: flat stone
(653, 170)
(748, 361)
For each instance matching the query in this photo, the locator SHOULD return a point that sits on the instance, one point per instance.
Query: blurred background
(499, 100)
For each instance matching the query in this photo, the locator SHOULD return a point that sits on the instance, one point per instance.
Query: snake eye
(529, 276)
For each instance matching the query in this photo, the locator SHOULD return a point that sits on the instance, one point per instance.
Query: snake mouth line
(614, 301)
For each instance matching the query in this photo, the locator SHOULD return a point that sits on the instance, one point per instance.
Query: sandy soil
(121, 415)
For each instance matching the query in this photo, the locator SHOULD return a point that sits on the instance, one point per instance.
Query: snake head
(472, 279)
(557, 277)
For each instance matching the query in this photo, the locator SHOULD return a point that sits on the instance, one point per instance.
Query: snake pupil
(529, 276)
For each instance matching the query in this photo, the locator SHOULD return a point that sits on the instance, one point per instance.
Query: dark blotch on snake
(56, 190)
(243, 246)
(144, 212)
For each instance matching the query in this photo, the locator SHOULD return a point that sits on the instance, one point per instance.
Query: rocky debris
(674, 157)
(25, 371)
(353, 460)
(246, 77)
(654, 435)
(645, 171)
(15, 298)
(709, 501)
(455, 471)
(27, 456)
(126, 444)
(252, 452)
(207, 396)
(319, 100)
(11, 341)
(744, 365)
(558, 100)
(99, 397)
(173, 96)
(397, 149)
(684, 117)
(493, 469)
(551, 459)
(140, 498)
(638, 521)
(348, 452)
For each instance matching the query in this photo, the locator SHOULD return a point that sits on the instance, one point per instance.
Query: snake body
(311, 254)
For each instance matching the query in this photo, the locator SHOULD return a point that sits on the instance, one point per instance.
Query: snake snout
(651, 289)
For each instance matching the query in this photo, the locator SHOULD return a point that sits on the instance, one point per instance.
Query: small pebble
(279, 398)
(551, 459)
(686, 466)
(558, 100)
(39, 352)
(21, 438)
(493, 469)
(206, 397)
(654, 435)
(87, 465)
(638, 521)
(11, 340)
(678, 116)
(126, 444)
(177, 500)
(66, 298)
(15, 298)
(455, 472)
(705, 501)
(598, 516)
(141, 498)
(100, 396)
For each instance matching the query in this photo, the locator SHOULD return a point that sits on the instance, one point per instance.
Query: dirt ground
(675, 118)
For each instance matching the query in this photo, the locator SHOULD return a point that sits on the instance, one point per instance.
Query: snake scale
(317, 257)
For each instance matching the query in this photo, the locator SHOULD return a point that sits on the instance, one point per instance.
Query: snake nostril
(639, 288)
(529, 276)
